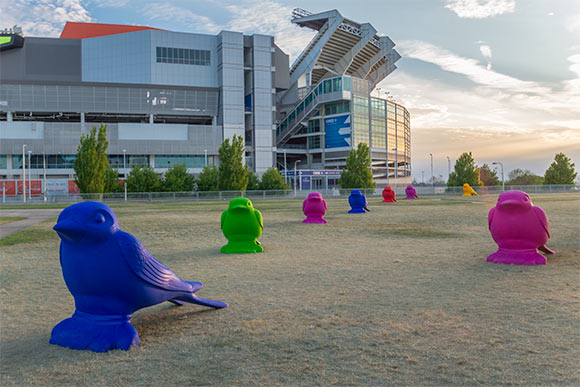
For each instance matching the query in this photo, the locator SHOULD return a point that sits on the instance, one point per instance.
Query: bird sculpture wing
(146, 267)
(490, 217)
(543, 219)
(223, 219)
(259, 218)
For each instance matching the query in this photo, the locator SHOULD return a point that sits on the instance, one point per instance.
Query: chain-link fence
(272, 194)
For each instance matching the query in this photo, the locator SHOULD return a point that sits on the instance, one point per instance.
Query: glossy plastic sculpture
(358, 202)
(389, 195)
(519, 229)
(242, 226)
(110, 275)
(411, 192)
(468, 191)
(314, 207)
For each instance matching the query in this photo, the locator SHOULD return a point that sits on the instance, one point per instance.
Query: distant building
(170, 97)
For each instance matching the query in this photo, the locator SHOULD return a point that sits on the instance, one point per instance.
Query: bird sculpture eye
(100, 219)
(526, 198)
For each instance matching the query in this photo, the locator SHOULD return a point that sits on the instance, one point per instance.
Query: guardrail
(274, 194)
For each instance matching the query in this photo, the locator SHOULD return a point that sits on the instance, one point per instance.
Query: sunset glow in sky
(499, 78)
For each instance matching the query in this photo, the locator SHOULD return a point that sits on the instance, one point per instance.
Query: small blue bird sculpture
(110, 275)
(358, 202)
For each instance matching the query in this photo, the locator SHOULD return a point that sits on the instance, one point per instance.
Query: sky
(497, 78)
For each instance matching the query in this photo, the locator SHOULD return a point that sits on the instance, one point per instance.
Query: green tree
(208, 179)
(233, 174)
(561, 171)
(465, 171)
(178, 180)
(357, 173)
(253, 182)
(143, 179)
(523, 177)
(272, 180)
(91, 161)
(488, 176)
(112, 180)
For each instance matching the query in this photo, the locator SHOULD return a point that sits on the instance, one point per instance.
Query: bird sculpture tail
(546, 249)
(193, 299)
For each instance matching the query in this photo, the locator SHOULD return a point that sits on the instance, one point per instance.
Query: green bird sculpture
(242, 226)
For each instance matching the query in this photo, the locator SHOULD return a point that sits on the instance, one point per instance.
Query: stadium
(171, 97)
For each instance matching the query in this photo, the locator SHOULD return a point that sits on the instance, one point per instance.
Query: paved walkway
(33, 217)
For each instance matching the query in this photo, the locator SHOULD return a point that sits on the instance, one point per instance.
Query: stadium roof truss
(342, 46)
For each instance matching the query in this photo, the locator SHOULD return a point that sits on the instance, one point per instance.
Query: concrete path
(33, 217)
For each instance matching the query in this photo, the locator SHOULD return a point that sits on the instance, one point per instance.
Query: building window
(130, 161)
(314, 142)
(3, 163)
(190, 161)
(183, 56)
(337, 107)
(52, 161)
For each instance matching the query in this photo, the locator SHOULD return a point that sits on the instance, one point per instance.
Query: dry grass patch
(399, 296)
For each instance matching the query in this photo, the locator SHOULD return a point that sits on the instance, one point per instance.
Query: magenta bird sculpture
(314, 207)
(520, 229)
(411, 192)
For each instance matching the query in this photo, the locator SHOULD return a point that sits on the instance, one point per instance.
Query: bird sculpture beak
(509, 203)
(69, 229)
(240, 207)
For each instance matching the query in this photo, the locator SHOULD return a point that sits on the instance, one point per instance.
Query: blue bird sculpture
(358, 202)
(110, 275)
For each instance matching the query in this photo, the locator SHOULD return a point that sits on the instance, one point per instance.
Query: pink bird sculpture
(389, 196)
(411, 192)
(519, 229)
(314, 207)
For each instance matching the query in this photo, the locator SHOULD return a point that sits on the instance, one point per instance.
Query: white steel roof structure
(342, 47)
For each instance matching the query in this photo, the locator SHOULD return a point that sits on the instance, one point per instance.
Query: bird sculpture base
(97, 333)
(410, 197)
(314, 220)
(357, 211)
(517, 257)
(388, 201)
(242, 247)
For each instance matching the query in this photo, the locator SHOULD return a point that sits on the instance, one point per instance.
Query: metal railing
(273, 194)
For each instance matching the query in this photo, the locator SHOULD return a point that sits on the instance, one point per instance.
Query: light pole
(205, 156)
(502, 181)
(295, 176)
(423, 177)
(396, 165)
(44, 170)
(29, 176)
(285, 169)
(124, 163)
(24, 172)
(432, 177)
(448, 167)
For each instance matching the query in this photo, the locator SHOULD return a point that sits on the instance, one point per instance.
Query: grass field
(401, 295)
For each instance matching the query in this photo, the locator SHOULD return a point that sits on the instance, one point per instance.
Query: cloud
(270, 18)
(249, 16)
(169, 12)
(44, 18)
(471, 68)
(572, 23)
(480, 9)
(110, 3)
(486, 52)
